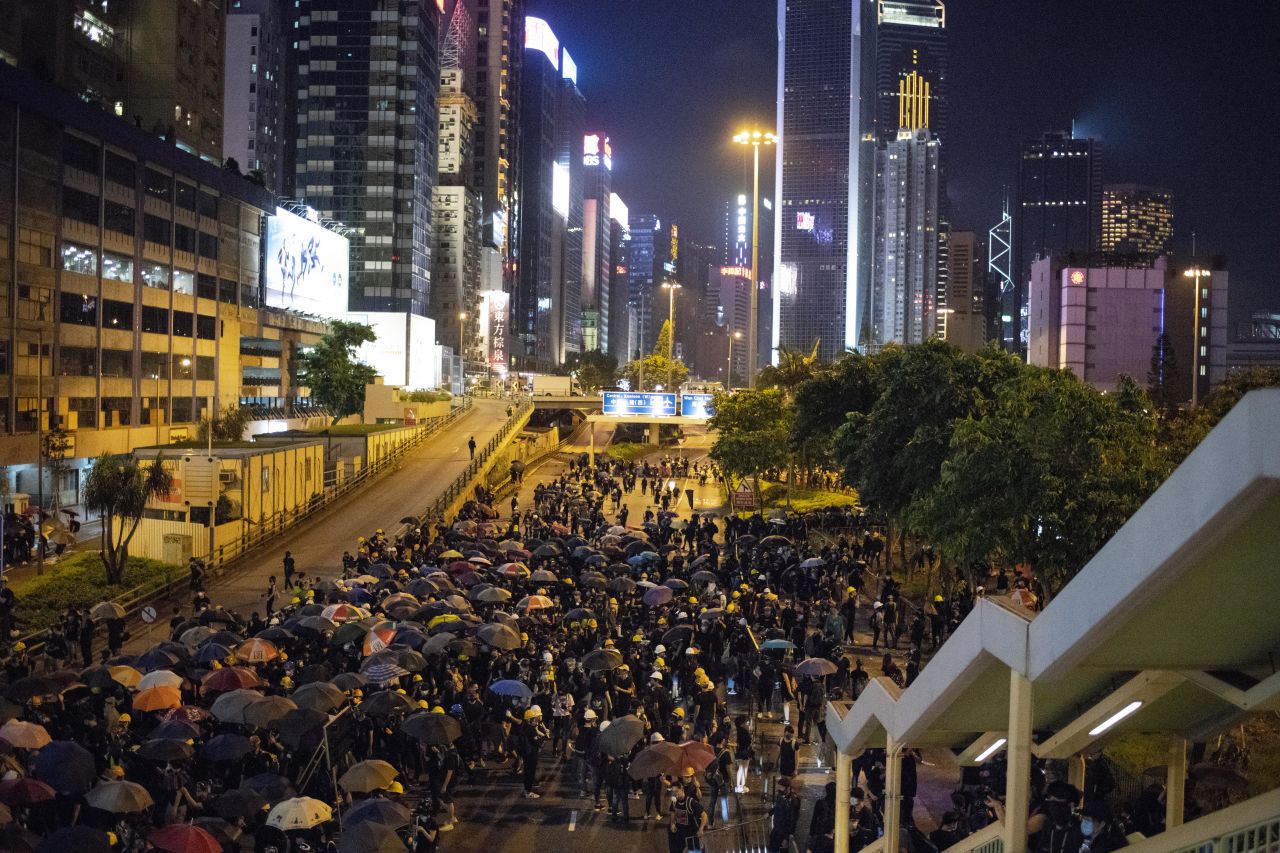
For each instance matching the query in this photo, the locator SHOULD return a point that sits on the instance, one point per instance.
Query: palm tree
(793, 369)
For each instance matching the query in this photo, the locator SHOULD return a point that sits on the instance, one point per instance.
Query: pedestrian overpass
(1170, 631)
(651, 408)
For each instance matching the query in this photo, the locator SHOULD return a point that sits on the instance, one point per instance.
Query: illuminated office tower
(368, 79)
(499, 58)
(597, 238)
(1136, 219)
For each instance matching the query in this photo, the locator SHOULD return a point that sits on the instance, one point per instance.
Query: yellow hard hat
(400, 690)
(850, 590)
(731, 607)
(938, 598)
(422, 703)
(662, 620)
(592, 624)
(637, 638)
(417, 677)
(737, 594)
(533, 713)
(687, 773)
(19, 646)
(286, 682)
(613, 601)
(296, 600)
(699, 672)
(693, 599)
(357, 692)
(524, 638)
(395, 788)
(112, 839)
(283, 657)
(679, 712)
(125, 718)
(437, 710)
(659, 662)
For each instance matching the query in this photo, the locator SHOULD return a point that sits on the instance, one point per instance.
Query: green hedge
(79, 579)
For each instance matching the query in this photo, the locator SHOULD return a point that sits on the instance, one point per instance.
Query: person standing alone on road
(471, 445)
(288, 569)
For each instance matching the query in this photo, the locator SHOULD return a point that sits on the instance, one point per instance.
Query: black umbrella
(678, 634)
(370, 837)
(270, 785)
(601, 660)
(164, 749)
(154, 659)
(621, 586)
(675, 583)
(82, 839)
(66, 767)
(28, 688)
(409, 519)
(704, 577)
(432, 729)
(238, 802)
(384, 703)
(226, 747)
(175, 730)
(622, 734)
(376, 810)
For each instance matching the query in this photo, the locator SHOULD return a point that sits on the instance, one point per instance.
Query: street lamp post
(462, 359)
(755, 138)
(728, 376)
(671, 287)
(1197, 273)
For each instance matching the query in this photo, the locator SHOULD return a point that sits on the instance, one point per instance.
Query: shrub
(80, 579)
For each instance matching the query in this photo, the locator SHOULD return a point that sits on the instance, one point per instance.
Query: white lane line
(573, 820)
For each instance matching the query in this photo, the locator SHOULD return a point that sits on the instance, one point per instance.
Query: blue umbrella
(658, 596)
(359, 595)
(771, 645)
(384, 671)
(65, 766)
(512, 688)
(210, 652)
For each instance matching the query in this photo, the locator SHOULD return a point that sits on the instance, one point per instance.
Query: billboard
(404, 353)
(495, 307)
(306, 266)
(639, 403)
(697, 405)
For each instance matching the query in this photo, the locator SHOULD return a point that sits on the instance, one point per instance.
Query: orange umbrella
(157, 699)
(530, 603)
(24, 735)
(257, 650)
(379, 637)
(126, 676)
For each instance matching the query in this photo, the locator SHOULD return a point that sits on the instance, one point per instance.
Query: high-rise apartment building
(824, 172)
(156, 63)
(597, 239)
(1136, 219)
(1057, 210)
(255, 90)
(570, 131)
(499, 58)
(904, 285)
(368, 79)
(621, 312)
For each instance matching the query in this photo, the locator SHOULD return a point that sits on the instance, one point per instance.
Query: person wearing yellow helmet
(531, 736)
(693, 599)
(423, 704)
(395, 789)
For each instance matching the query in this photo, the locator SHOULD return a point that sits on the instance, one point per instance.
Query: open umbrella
(364, 777)
(318, 695)
(82, 839)
(531, 603)
(25, 791)
(658, 596)
(511, 688)
(299, 813)
(229, 707)
(226, 834)
(65, 766)
(348, 681)
(271, 786)
(382, 672)
(262, 712)
(165, 749)
(210, 652)
(378, 637)
(230, 678)
(813, 563)
(25, 735)
(498, 637)
(622, 734)
(106, 610)
(119, 797)
(815, 667)
(237, 802)
(187, 714)
(386, 703)
(299, 725)
(184, 838)
(160, 678)
(376, 809)
(775, 645)
(492, 595)
(370, 837)
(621, 585)
(432, 729)
(704, 576)
(656, 759)
(255, 650)
(157, 699)
(601, 660)
(155, 658)
(226, 747)
(174, 730)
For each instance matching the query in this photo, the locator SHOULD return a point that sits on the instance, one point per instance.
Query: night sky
(1182, 94)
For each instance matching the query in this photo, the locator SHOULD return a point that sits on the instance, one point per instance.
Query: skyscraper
(597, 236)
(256, 93)
(621, 312)
(456, 285)
(570, 131)
(824, 172)
(368, 78)
(647, 250)
(911, 68)
(499, 58)
(1057, 210)
(963, 321)
(904, 285)
(1136, 219)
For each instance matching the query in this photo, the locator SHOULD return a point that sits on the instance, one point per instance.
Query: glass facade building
(1136, 219)
(368, 79)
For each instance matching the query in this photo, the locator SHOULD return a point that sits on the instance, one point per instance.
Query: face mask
(1086, 827)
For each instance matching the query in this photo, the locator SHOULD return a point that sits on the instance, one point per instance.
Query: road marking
(573, 820)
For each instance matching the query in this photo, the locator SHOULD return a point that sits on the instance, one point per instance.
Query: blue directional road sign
(697, 405)
(637, 403)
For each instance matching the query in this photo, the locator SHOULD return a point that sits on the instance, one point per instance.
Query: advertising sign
(495, 307)
(639, 403)
(306, 266)
(697, 405)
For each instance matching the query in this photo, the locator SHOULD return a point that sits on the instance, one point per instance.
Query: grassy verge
(80, 580)
(804, 499)
(628, 451)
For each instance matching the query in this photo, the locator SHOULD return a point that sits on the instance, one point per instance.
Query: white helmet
(656, 737)
(588, 714)
(547, 658)
(659, 649)
(655, 675)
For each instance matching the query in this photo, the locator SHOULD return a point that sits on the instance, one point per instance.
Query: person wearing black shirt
(688, 819)
(786, 815)
(787, 750)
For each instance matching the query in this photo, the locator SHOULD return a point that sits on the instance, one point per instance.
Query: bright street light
(755, 138)
(728, 379)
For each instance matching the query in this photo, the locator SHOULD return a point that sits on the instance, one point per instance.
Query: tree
(232, 165)
(1164, 378)
(1044, 473)
(793, 369)
(823, 404)
(330, 369)
(257, 176)
(654, 369)
(753, 427)
(596, 371)
(118, 488)
(55, 447)
(228, 425)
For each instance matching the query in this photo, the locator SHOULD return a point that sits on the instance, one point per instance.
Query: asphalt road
(317, 544)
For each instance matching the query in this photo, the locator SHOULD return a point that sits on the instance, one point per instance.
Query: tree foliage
(793, 369)
(228, 425)
(55, 447)
(596, 371)
(1164, 380)
(654, 369)
(333, 373)
(118, 488)
(753, 428)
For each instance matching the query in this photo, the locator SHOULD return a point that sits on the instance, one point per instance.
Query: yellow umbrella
(126, 676)
(24, 735)
(366, 776)
(157, 699)
(299, 813)
(451, 554)
(444, 617)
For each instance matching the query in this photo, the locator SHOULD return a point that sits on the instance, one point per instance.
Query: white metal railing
(989, 839)
(1249, 827)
